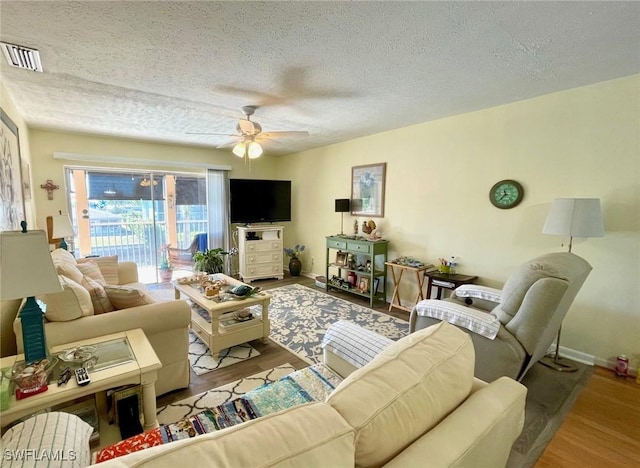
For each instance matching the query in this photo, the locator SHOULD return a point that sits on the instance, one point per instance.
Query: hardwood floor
(602, 429)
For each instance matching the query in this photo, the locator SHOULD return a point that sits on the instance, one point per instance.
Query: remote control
(82, 376)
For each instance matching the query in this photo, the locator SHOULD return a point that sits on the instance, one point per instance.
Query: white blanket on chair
(477, 321)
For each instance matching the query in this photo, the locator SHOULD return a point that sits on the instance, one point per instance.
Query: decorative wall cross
(49, 187)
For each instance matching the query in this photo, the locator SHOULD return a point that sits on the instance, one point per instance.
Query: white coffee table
(140, 369)
(211, 333)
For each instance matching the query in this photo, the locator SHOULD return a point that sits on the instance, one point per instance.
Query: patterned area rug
(202, 361)
(313, 383)
(218, 396)
(300, 317)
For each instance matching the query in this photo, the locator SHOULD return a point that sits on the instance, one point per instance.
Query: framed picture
(367, 190)
(11, 190)
(341, 258)
(363, 284)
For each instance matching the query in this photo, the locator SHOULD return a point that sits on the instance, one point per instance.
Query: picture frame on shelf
(376, 281)
(367, 190)
(342, 258)
(363, 284)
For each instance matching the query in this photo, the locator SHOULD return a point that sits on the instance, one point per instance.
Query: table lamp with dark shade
(342, 206)
(571, 217)
(27, 270)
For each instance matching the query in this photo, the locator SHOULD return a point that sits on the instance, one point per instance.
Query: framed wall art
(11, 190)
(367, 190)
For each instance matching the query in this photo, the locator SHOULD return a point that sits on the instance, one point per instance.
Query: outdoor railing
(137, 242)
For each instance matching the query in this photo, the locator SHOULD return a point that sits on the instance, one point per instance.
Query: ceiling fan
(246, 142)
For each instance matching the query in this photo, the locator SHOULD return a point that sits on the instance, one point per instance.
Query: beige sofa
(72, 317)
(415, 404)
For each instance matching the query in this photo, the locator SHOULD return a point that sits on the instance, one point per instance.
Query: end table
(445, 281)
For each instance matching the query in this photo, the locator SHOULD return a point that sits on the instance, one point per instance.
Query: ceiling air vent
(22, 57)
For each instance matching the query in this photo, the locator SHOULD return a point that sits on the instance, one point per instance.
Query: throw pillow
(410, 387)
(49, 433)
(72, 303)
(124, 298)
(99, 298)
(92, 270)
(66, 265)
(108, 267)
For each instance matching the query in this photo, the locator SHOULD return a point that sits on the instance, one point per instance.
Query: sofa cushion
(308, 435)
(66, 265)
(72, 303)
(49, 433)
(123, 298)
(108, 267)
(405, 391)
(92, 270)
(99, 298)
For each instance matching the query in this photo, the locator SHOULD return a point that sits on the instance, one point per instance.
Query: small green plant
(295, 252)
(210, 261)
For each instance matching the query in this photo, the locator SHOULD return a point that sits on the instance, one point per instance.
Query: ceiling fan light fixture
(239, 149)
(255, 150)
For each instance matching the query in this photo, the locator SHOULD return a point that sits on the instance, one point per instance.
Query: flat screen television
(259, 201)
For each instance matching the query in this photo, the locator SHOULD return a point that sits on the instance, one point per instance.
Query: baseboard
(589, 359)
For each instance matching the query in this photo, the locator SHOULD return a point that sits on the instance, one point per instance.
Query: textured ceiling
(339, 70)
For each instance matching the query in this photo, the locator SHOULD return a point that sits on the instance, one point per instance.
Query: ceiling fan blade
(246, 126)
(214, 134)
(228, 143)
(284, 134)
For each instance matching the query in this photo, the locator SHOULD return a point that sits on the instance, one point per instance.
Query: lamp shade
(342, 205)
(62, 227)
(575, 217)
(239, 149)
(26, 268)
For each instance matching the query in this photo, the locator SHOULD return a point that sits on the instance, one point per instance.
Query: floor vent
(22, 57)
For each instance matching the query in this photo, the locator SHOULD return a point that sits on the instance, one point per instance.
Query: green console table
(368, 264)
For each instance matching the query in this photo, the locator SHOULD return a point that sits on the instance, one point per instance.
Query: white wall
(582, 142)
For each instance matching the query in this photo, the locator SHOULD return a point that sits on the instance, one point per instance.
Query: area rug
(218, 396)
(312, 383)
(300, 316)
(202, 361)
(550, 397)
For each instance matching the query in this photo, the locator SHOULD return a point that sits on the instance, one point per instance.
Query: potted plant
(210, 261)
(165, 267)
(295, 265)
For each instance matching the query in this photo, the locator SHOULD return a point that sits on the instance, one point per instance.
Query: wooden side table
(445, 281)
(395, 300)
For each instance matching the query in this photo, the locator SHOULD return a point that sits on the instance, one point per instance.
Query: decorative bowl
(32, 377)
(80, 356)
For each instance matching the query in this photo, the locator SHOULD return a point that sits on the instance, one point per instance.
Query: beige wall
(578, 143)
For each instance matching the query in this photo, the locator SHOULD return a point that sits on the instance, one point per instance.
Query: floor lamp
(572, 217)
(62, 228)
(342, 207)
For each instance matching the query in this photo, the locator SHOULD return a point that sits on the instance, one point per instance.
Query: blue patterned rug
(300, 317)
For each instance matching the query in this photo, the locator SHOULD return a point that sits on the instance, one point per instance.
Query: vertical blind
(218, 209)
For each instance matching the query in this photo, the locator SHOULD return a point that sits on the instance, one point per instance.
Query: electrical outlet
(312, 261)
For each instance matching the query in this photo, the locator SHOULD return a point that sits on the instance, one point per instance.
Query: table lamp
(62, 228)
(342, 207)
(27, 270)
(571, 217)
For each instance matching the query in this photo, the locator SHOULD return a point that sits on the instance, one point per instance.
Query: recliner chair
(524, 316)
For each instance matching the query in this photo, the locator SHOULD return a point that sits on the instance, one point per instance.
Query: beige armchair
(524, 316)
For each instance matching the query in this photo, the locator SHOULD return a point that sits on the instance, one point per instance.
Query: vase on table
(295, 266)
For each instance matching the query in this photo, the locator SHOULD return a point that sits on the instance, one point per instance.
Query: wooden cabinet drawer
(264, 269)
(266, 257)
(336, 244)
(361, 248)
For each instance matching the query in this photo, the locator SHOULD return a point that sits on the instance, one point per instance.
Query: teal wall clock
(506, 194)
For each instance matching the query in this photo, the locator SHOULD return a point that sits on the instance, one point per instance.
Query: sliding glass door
(141, 216)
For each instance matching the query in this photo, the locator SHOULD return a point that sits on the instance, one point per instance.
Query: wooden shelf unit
(373, 251)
